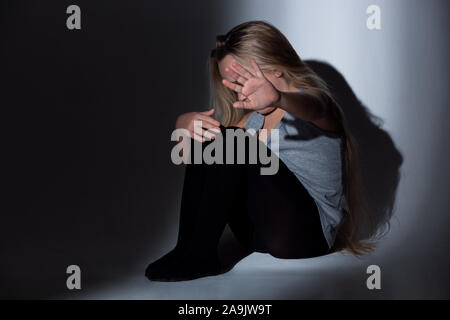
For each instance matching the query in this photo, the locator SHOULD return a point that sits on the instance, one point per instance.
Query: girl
(311, 206)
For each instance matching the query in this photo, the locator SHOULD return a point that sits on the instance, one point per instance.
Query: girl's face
(227, 61)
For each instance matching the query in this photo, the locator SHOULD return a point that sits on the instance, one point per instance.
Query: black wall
(86, 118)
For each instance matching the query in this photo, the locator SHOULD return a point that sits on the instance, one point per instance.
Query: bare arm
(309, 105)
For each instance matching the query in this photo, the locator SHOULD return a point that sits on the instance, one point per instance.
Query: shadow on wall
(380, 160)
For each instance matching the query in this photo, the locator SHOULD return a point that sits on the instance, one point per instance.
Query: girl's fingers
(197, 137)
(257, 69)
(211, 121)
(210, 126)
(208, 134)
(202, 133)
(243, 105)
(242, 71)
(241, 96)
(236, 76)
(232, 86)
(208, 112)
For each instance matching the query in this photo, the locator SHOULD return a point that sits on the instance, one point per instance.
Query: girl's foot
(184, 268)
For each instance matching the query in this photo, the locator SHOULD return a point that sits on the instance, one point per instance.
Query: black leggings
(267, 213)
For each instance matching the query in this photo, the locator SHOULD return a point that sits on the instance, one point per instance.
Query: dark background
(86, 123)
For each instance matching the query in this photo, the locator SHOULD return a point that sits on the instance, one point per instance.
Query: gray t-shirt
(315, 157)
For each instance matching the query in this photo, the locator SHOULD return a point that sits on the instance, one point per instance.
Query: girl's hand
(252, 84)
(186, 121)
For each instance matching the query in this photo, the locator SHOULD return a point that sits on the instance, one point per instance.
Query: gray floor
(261, 276)
(258, 276)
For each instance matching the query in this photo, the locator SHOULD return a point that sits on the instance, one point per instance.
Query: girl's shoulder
(306, 129)
(254, 120)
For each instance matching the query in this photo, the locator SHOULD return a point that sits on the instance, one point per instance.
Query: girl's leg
(285, 216)
(210, 194)
(192, 191)
(242, 227)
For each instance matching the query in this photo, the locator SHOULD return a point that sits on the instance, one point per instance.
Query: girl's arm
(309, 105)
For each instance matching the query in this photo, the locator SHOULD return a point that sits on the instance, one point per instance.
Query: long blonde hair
(271, 50)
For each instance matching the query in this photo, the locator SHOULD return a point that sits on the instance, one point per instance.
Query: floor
(418, 273)
(257, 276)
